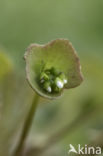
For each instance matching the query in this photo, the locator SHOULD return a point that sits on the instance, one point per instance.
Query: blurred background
(75, 118)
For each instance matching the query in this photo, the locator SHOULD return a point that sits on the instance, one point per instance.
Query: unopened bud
(54, 71)
(44, 77)
(47, 87)
(63, 78)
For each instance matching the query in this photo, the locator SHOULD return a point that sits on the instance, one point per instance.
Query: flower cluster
(53, 67)
(52, 80)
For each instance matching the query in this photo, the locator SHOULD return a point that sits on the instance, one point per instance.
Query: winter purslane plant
(53, 67)
(50, 69)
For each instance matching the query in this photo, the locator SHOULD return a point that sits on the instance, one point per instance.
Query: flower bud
(56, 89)
(63, 78)
(47, 86)
(43, 77)
(54, 71)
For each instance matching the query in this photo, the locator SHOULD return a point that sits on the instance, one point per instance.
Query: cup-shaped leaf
(58, 56)
(6, 65)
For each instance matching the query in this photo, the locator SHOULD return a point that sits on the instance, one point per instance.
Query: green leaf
(58, 54)
(6, 65)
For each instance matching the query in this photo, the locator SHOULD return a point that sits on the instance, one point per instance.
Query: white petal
(49, 89)
(42, 81)
(59, 84)
(65, 81)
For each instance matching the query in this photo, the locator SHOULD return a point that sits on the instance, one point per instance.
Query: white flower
(49, 89)
(65, 81)
(59, 84)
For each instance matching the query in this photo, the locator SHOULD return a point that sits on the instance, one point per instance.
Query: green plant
(5, 65)
(50, 69)
(55, 61)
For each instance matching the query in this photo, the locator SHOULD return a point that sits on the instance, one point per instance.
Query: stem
(57, 136)
(27, 126)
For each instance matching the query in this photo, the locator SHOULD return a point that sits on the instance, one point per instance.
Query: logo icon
(72, 149)
(84, 150)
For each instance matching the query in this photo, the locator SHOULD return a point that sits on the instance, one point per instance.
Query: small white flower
(49, 89)
(59, 84)
(65, 81)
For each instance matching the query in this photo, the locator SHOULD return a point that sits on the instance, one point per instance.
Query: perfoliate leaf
(5, 65)
(58, 54)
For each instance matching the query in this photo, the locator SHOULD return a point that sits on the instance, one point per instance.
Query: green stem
(27, 126)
